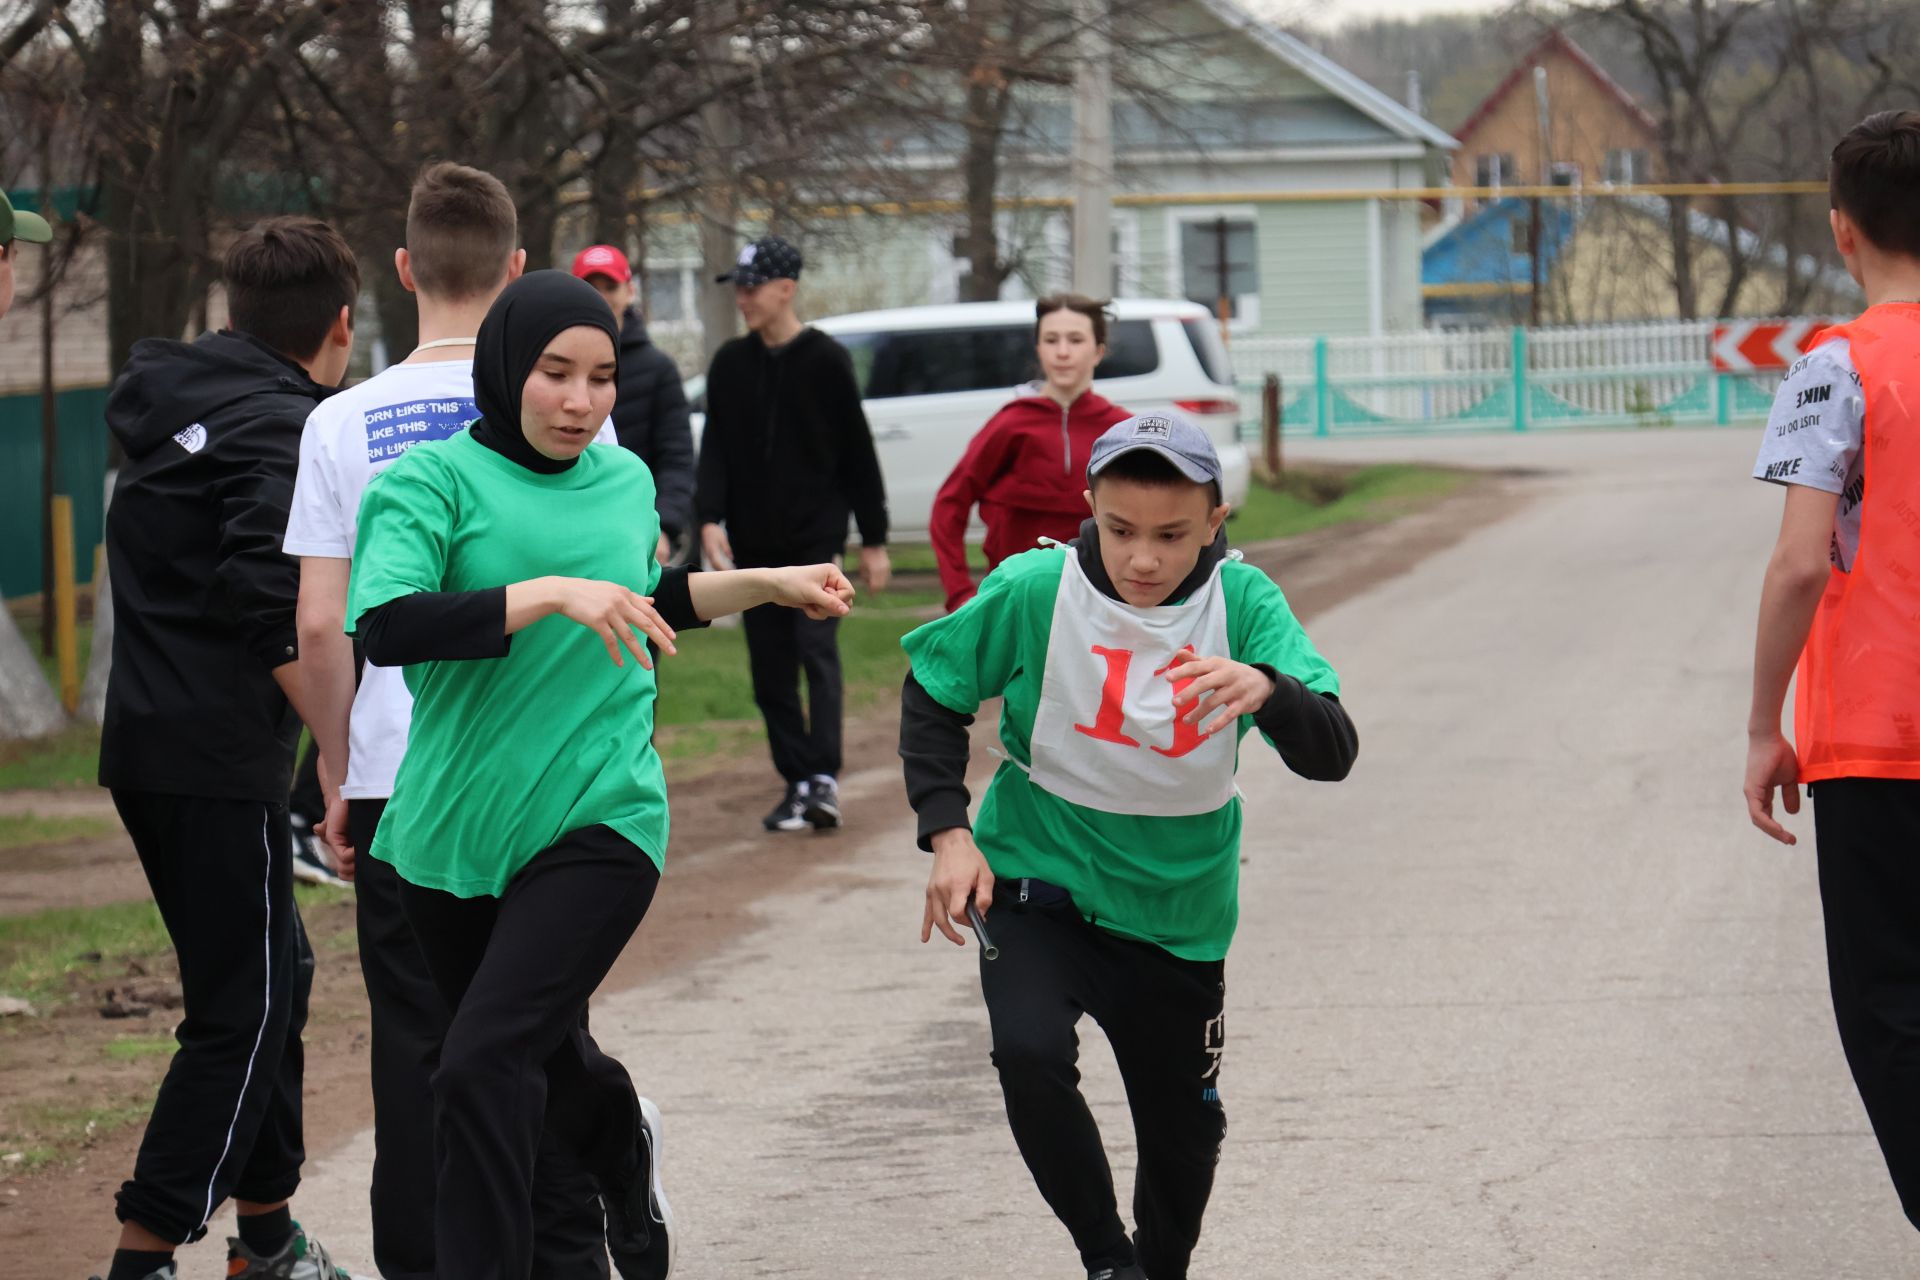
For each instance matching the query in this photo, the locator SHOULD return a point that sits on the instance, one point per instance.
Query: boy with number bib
(1131, 661)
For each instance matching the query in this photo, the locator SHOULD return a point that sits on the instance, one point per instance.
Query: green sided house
(1222, 124)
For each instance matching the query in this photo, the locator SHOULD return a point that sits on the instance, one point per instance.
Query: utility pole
(1093, 150)
(1223, 268)
(1543, 161)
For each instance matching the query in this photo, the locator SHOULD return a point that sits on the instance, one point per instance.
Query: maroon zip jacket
(1027, 472)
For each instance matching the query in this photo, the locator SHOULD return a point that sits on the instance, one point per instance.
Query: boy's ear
(403, 267)
(1846, 236)
(340, 334)
(1216, 519)
(516, 265)
(1088, 495)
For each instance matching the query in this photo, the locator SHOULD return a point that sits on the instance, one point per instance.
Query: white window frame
(1126, 253)
(1633, 174)
(689, 270)
(1246, 307)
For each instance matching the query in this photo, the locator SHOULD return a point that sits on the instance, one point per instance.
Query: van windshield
(924, 362)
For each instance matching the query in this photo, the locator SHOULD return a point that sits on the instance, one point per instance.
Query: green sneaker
(302, 1259)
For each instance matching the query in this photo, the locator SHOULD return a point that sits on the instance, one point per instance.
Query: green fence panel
(80, 470)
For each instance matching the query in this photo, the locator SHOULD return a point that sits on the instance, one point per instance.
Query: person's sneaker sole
(663, 1212)
(308, 868)
(823, 817)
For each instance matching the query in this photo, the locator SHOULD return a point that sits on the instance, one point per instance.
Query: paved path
(1525, 997)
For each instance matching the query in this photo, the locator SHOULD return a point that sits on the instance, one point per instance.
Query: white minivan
(932, 376)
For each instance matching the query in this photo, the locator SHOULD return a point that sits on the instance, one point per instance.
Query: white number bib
(1105, 735)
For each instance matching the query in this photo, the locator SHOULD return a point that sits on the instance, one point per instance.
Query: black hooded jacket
(650, 418)
(203, 597)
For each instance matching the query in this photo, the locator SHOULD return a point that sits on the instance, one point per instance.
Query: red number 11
(1108, 725)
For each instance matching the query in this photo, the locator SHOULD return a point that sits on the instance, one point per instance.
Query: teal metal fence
(1499, 380)
(80, 468)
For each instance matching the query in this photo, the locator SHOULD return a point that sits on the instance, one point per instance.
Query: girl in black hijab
(510, 570)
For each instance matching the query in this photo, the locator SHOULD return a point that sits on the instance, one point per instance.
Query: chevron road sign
(1742, 346)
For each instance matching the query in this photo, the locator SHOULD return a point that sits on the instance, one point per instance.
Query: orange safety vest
(1857, 704)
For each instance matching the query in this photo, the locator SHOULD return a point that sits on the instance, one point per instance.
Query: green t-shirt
(1171, 881)
(506, 755)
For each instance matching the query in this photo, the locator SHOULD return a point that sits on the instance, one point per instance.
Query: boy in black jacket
(786, 455)
(198, 737)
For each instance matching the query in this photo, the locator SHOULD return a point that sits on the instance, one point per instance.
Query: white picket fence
(1516, 379)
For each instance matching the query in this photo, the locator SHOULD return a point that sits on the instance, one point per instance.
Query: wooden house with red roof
(1597, 132)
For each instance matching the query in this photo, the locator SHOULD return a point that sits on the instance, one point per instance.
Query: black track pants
(1162, 1016)
(227, 1118)
(517, 1060)
(1868, 833)
(409, 1021)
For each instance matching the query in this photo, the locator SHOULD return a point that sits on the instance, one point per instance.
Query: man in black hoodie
(786, 455)
(650, 413)
(198, 737)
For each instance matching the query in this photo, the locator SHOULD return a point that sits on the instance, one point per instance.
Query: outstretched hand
(1232, 689)
(615, 612)
(819, 590)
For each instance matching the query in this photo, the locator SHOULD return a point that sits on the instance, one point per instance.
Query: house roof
(1556, 41)
(1331, 76)
(1477, 250)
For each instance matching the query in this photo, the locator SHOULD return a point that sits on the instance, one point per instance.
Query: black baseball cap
(768, 258)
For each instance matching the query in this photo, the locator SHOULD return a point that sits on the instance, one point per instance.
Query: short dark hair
(1145, 467)
(1875, 180)
(461, 230)
(287, 279)
(1094, 309)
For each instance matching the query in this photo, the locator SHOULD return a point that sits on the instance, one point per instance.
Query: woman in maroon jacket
(1026, 469)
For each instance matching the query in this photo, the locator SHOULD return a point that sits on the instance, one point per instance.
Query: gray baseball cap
(1168, 434)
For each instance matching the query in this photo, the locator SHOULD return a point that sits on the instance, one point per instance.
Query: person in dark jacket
(786, 457)
(650, 411)
(198, 737)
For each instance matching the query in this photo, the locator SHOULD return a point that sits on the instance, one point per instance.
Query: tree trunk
(719, 195)
(987, 100)
(1680, 236)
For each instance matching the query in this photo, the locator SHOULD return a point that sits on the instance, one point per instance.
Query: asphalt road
(1524, 997)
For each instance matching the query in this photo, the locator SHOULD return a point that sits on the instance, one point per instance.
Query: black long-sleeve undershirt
(454, 626)
(1312, 732)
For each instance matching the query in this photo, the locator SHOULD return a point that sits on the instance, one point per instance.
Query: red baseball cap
(602, 260)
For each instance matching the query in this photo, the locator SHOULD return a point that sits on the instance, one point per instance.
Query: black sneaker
(165, 1272)
(313, 857)
(791, 813)
(822, 802)
(1131, 1271)
(639, 1222)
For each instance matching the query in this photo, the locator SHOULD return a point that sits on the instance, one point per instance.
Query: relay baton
(979, 924)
